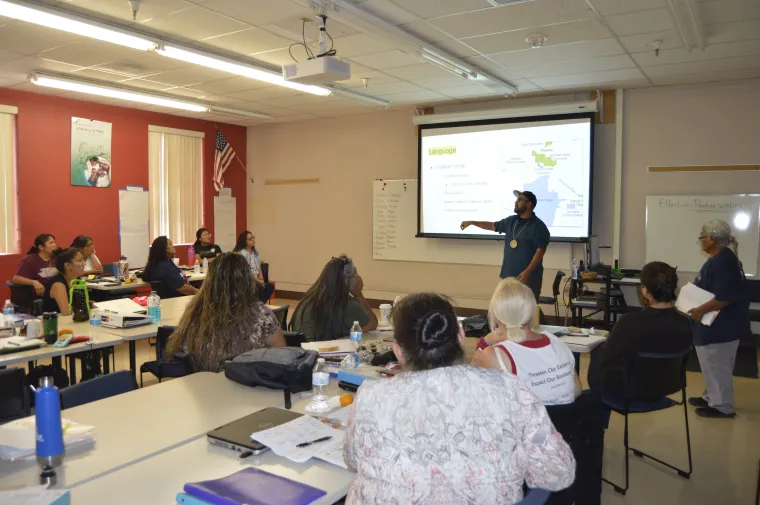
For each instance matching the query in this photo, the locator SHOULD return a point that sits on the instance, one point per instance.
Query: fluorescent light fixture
(445, 66)
(238, 112)
(59, 20)
(55, 81)
(237, 68)
(361, 97)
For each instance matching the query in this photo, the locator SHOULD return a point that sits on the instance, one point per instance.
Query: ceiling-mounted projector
(321, 70)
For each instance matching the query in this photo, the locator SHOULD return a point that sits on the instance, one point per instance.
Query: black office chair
(160, 288)
(664, 375)
(14, 394)
(294, 338)
(96, 389)
(265, 271)
(188, 362)
(161, 367)
(282, 315)
(554, 299)
(22, 297)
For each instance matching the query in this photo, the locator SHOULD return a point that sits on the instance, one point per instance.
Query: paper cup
(385, 313)
(176, 261)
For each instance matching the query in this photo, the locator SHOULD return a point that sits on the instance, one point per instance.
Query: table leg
(72, 370)
(133, 360)
(106, 361)
(577, 357)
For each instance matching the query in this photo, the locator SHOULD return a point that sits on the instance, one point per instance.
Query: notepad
(691, 297)
(284, 439)
(252, 486)
(121, 305)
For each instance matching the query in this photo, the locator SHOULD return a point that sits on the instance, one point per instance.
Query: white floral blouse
(455, 435)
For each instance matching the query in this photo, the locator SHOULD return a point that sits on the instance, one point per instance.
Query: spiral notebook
(252, 486)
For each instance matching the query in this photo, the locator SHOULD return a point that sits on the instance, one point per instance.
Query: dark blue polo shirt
(722, 276)
(531, 234)
(171, 276)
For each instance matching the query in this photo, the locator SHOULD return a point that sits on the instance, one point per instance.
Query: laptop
(237, 434)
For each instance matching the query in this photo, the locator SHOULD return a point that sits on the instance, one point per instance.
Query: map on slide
(471, 176)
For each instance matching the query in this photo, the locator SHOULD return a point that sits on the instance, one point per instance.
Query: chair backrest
(557, 281)
(282, 315)
(160, 288)
(14, 394)
(188, 362)
(21, 296)
(162, 338)
(651, 376)
(294, 338)
(265, 271)
(97, 389)
(753, 290)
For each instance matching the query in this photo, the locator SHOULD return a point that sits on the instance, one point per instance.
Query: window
(8, 244)
(175, 167)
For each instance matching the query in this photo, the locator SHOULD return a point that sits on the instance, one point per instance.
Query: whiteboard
(225, 225)
(134, 225)
(674, 223)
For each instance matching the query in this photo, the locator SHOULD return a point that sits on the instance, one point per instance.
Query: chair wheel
(684, 474)
(637, 453)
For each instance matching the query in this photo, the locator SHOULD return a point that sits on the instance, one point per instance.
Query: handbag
(286, 368)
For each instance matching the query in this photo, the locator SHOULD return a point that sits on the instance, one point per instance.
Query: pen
(307, 444)
(14, 343)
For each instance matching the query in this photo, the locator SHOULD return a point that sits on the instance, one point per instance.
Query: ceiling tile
(387, 59)
(258, 12)
(467, 91)
(336, 105)
(120, 10)
(457, 48)
(98, 75)
(224, 100)
(564, 52)
(641, 43)
(566, 81)
(278, 57)
(449, 81)
(254, 95)
(19, 69)
(359, 44)
(726, 11)
(425, 31)
(513, 17)
(483, 63)
(699, 67)
(415, 96)
(420, 71)
(250, 41)
(230, 85)
(294, 26)
(196, 23)
(577, 66)
(193, 74)
(28, 39)
(298, 100)
(730, 32)
(146, 84)
(508, 74)
(267, 108)
(87, 53)
(641, 22)
(393, 13)
(296, 117)
(141, 63)
(562, 33)
(6, 56)
(435, 8)
(374, 76)
(186, 92)
(392, 87)
(524, 85)
(609, 7)
(715, 51)
(730, 75)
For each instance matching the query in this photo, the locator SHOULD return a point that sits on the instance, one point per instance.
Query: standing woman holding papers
(716, 344)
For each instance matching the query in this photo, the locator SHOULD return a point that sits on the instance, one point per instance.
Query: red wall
(48, 203)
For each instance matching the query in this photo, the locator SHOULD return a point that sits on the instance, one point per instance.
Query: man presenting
(525, 243)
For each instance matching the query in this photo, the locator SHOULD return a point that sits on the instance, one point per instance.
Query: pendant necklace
(513, 242)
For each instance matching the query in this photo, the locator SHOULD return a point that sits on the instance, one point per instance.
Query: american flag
(222, 158)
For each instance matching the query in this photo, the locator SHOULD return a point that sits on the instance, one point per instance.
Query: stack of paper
(17, 438)
(285, 438)
(691, 297)
(121, 305)
(38, 495)
(331, 347)
(16, 344)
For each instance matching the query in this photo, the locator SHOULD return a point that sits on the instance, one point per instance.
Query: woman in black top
(203, 247)
(659, 328)
(70, 265)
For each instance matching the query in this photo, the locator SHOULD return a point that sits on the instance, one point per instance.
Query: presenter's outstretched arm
(485, 225)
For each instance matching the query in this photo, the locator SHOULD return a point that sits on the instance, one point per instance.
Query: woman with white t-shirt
(541, 360)
(92, 265)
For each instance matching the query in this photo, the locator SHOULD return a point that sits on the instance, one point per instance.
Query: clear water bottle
(154, 307)
(574, 269)
(205, 265)
(351, 361)
(320, 379)
(356, 334)
(197, 267)
(94, 325)
(8, 309)
(49, 444)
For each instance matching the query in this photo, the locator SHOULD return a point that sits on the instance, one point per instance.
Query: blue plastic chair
(535, 497)
(96, 389)
(669, 372)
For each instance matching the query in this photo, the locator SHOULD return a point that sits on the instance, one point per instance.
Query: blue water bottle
(50, 448)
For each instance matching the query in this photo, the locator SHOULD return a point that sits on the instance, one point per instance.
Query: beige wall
(299, 227)
(701, 124)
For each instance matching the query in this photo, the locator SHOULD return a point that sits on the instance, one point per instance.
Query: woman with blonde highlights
(541, 360)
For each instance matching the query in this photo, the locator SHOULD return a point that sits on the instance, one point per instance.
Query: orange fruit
(346, 399)
(127, 281)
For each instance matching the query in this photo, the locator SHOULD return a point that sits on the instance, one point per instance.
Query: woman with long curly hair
(225, 318)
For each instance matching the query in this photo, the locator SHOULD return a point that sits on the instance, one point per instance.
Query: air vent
(500, 3)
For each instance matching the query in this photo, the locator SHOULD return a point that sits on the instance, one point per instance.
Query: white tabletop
(191, 277)
(48, 351)
(140, 424)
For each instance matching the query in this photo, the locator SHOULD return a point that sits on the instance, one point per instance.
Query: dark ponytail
(40, 240)
(661, 280)
(427, 331)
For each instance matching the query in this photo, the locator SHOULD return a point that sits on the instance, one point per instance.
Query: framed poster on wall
(90, 153)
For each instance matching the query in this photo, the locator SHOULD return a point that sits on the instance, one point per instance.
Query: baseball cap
(527, 194)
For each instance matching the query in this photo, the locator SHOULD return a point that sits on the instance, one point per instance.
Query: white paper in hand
(691, 297)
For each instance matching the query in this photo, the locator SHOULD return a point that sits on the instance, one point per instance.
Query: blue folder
(252, 486)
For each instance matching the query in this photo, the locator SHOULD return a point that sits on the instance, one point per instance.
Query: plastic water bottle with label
(356, 334)
(205, 265)
(320, 379)
(8, 309)
(197, 267)
(154, 307)
(94, 326)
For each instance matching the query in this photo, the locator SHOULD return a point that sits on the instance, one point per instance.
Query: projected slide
(468, 173)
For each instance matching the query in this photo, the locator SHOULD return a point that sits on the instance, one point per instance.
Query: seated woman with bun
(541, 360)
(442, 432)
(659, 328)
(70, 265)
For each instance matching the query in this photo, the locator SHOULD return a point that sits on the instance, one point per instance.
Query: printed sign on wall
(90, 153)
